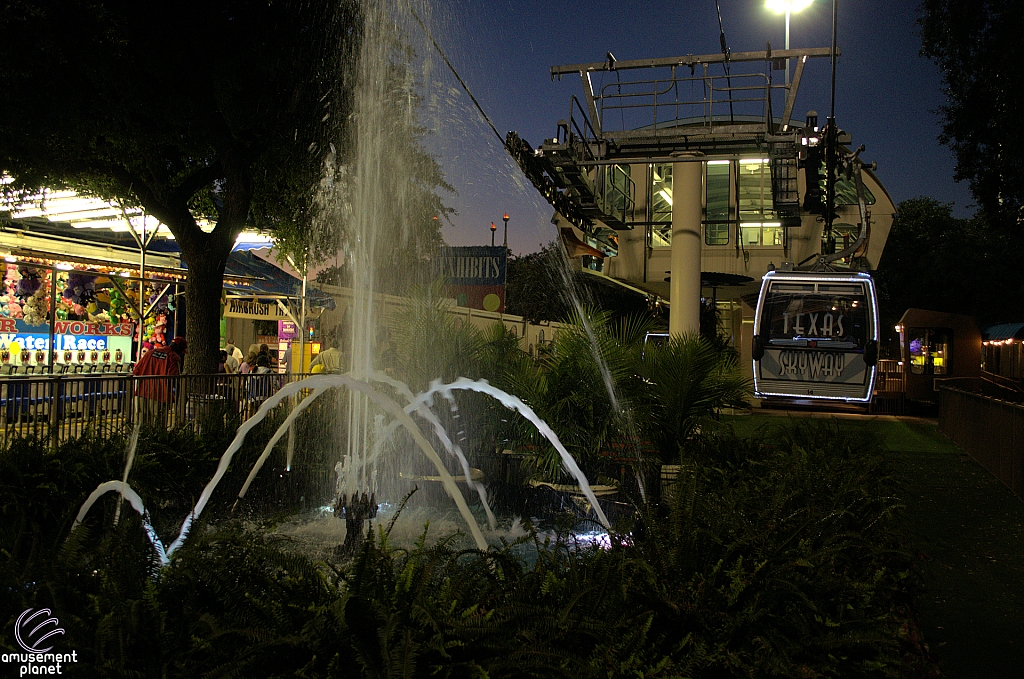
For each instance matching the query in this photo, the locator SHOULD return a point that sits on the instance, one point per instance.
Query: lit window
(929, 351)
(716, 224)
(755, 190)
(761, 233)
(661, 205)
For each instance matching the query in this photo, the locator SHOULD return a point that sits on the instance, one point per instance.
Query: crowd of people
(257, 361)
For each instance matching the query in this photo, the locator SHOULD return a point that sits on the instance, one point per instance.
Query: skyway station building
(689, 178)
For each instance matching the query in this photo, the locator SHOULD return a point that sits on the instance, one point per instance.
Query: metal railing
(659, 103)
(62, 407)
(990, 430)
(889, 377)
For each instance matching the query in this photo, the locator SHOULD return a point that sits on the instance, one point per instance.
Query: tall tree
(219, 110)
(933, 260)
(978, 47)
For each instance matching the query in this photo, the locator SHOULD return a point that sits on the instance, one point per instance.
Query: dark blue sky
(886, 97)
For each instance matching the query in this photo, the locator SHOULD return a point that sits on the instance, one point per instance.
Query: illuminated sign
(68, 335)
(250, 308)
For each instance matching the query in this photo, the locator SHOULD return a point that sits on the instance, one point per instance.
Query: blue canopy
(268, 279)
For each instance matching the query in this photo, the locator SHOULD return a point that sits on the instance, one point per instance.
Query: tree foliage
(977, 46)
(546, 286)
(219, 111)
(935, 261)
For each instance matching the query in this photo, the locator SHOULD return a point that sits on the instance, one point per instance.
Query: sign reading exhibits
(474, 276)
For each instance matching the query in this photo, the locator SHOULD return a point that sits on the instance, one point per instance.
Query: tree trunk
(203, 289)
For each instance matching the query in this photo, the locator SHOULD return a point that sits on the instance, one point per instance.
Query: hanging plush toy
(9, 298)
(80, 292)
(36, 308)
(118, 306)
(29, 283)
(159, 334)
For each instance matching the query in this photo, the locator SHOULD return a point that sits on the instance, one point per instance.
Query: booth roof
(253, 276)
(1004, 331)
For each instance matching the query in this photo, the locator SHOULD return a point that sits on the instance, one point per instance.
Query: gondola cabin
(935, 345)
(816, 336)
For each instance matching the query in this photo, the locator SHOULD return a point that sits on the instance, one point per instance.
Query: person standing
(329, 360)
(234, 351)
(156, 392)
(231, 363)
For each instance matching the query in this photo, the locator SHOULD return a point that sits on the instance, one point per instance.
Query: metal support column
(684, 314)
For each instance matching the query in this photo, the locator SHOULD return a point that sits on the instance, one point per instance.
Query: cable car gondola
(816, 332)
(816, 336)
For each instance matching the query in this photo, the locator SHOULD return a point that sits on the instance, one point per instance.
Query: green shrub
(774, 556)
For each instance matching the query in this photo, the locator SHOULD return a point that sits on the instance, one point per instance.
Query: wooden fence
(991, 430)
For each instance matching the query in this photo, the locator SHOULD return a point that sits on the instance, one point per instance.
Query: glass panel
(751, 234)
(938, 347)
(771, 235)
(716, 234)
(918, 352)
(755, 190)
(661, 204)
(762, 234)
(818, 320)
(716, 230)
(617, 198)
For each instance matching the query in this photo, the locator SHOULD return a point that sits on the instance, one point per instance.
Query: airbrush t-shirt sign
(68, 336)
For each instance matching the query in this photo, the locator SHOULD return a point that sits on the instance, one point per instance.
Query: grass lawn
(967, 531)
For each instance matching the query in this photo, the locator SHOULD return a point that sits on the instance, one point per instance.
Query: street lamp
(493, 229)
(506, 230)
(787, 7)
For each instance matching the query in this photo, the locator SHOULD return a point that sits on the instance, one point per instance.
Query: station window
(761, 233)
(716, 199)
(755, 191)
(661, 205)
(758, 225)
(929, 351)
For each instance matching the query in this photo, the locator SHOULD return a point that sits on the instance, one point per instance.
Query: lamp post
(787, 7)
(493, 229)
(506, 230)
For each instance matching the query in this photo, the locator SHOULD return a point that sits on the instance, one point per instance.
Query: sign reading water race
(474, 276)
(36, 632)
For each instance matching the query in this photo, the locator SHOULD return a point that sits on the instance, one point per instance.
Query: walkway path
(967, 530)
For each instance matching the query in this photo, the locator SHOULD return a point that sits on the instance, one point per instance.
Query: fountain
(372, 196)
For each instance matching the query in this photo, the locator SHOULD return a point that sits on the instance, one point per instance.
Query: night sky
(887, 95)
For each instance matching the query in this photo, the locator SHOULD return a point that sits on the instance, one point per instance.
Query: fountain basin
(474, 475)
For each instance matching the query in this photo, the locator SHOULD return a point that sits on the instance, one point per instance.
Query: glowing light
(784, 6)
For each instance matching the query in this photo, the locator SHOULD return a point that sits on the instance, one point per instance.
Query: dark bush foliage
(768, 557)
